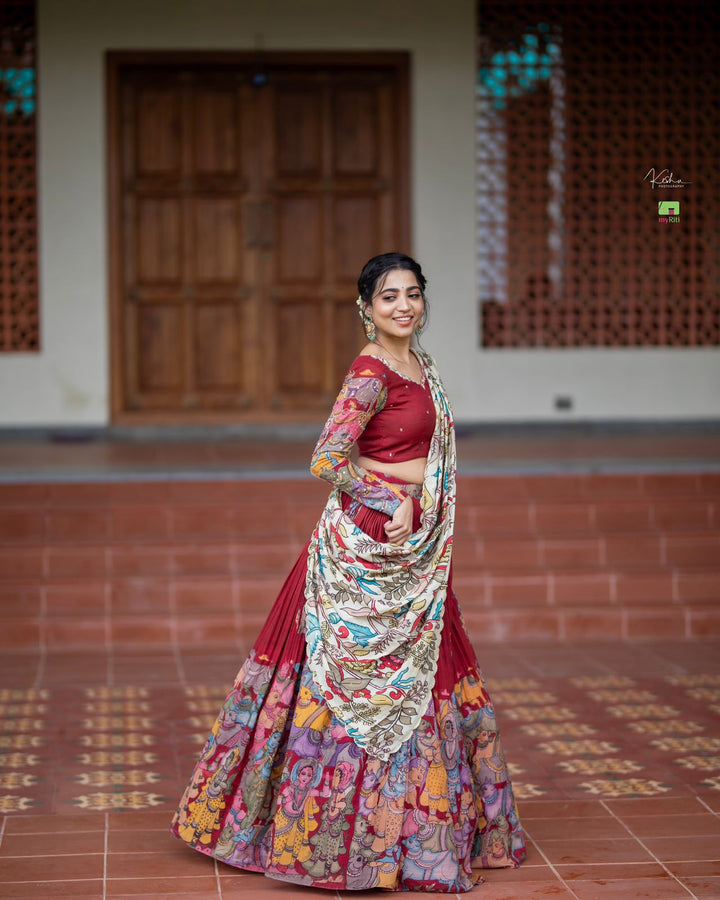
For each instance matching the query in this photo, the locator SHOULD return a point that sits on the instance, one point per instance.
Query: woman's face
(305, 776)
(398, 306)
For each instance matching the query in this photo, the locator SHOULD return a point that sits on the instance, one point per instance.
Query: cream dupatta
(374, 611)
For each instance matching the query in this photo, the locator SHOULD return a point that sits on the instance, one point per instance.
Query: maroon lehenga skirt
(281, 788)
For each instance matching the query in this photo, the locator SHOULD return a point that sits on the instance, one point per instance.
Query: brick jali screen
(19, 314)
(576, 104)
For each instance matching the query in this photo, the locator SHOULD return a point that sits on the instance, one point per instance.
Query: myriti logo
(669, 211)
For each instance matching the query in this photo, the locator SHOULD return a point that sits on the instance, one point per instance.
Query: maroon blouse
(391, 418)
(402, 429)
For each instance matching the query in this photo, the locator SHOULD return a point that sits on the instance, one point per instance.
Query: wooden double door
(245, 197)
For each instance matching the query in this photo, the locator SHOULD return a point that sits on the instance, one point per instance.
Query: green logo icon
(669, 208)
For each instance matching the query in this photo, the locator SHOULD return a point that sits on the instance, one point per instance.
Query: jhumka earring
(367, 321)
(421, 325)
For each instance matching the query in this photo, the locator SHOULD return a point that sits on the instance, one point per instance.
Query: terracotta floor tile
(563, 518)
(180, 890)
(670, 826)
(631, 889)
(707, 799)
(646, 587)
(704, 888)
(705, 868)
(78, 598)
(655, 806)
(527, 890)
(140, 595)
(220, 670)
(704, 622)
(20, 494)
(571, 552)
(77, 631)
(201, 522)
(610, 871)
(127, 671)
(271, 889)
(84, 889)
(162, 888)
(135, 523)
(20, 600)
(519, 591)
(703, 847)
(73, 494)
(175, 861)
(68, 669)
(579, 624)
(54, 824)
(648, 623)
(145, 859)
(138, 820)
(207, 628)
(140, 656)
(566, 827)
(18, 670)
(209, 594)
(144, 630)
(543, 809)
(132, 841)
(51, 868)
(665, 483)
(21, 562)
(24, 633)
(72, 842)
(250, 879)
(70, 525)
(581, 850)
(533, 869)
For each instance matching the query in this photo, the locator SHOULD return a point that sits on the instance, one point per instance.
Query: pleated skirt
(281, 788)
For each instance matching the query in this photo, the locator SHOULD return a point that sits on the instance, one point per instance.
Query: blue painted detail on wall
(519, 69)
(18, 87)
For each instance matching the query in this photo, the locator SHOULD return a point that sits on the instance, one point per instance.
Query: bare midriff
(411, 471)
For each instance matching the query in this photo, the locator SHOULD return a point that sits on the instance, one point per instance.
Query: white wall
(623, 385)
(67, 383)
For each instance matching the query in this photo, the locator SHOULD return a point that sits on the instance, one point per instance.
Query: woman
(358, 748)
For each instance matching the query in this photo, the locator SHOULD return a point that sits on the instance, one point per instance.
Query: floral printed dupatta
(374, 611)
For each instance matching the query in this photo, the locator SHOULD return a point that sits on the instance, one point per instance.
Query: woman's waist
(372, 521)
(409, 474)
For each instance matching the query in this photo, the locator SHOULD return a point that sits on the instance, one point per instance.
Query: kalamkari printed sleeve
(362, 395)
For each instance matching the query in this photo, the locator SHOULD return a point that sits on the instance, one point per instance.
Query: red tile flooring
(109, 682)
(614, 747)
(168, 563)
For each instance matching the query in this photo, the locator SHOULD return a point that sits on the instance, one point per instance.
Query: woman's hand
(399, 528)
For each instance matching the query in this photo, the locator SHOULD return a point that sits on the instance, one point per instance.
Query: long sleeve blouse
(404, 410)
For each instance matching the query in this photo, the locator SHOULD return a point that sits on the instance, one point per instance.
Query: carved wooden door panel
(188, 311)
(331, 170)
(245, 212)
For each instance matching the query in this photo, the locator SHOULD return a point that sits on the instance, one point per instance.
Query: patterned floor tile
(608, 753)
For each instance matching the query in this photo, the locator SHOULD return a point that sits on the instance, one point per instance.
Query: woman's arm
(362, 395)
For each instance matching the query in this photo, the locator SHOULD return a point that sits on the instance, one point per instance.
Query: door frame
(115, 61)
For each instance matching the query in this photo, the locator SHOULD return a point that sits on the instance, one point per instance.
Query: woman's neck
(399, 350)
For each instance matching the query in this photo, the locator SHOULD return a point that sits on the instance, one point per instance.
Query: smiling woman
(393, 308)
(359, 747)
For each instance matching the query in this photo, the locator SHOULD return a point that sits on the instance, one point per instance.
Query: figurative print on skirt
(281, 788)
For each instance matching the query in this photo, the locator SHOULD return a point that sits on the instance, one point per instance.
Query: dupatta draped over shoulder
(374, 611)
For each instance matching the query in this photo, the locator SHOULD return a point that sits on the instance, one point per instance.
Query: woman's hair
(376, 269)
